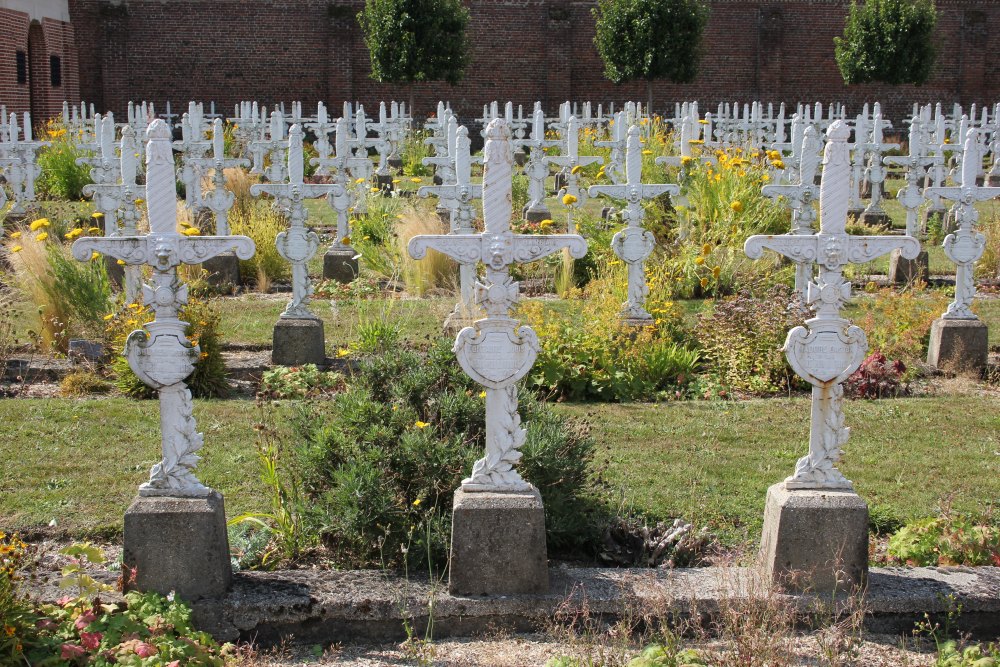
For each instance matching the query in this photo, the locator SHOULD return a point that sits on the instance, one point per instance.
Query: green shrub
(888, 40)
(61, 177)
(949, 539)
(261, 223)
(306, 381)
(413, 152)
(82, 288)
(380, 463)
(742, 337)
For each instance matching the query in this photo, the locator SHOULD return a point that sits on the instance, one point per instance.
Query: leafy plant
(298, 382)
(742, 337)
(413, 153)
(898, 323)
(83, 383)
(381, 461)
(412, 41)
(62, 177)
(949, 539)
(261, 223)
(888, 40)
(877, 377)
(649, 39)
(17, 620)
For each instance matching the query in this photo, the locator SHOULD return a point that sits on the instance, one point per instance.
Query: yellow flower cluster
(38, 224)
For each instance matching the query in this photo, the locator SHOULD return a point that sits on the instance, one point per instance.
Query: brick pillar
(770, 54)
(342, 34)
(114, 59)
(558, 66)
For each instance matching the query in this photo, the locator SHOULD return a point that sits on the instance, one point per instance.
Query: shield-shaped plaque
(498, 355)
(827, 352)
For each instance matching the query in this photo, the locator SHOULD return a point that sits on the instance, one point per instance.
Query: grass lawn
(710, 463)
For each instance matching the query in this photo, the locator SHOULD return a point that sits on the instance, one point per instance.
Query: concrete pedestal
(298, 341)
(178, 544)
(223, 270)
(879, 219)
(498, 544)
(340, 264)
(994, 181)
(959, 346)
(814, 540)
(536, 215)
(384, 183)
(903, 271)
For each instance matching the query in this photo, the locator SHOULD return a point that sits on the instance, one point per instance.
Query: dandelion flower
(647, 152)
(38, 224)
(482, 394)
(416, 503)
(94, 255)
(737, 206)
(97, 215)
(16, 248)
(191, 231)
(121, 262)
(109, 317)
(15, 235)
(704, 283)
(140, 202)
(94, 230)
(699, 260)
(342, 352)
(42, 236)
(568, 200)
(417, 180)
(420, 424)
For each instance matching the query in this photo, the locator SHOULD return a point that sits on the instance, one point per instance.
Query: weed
(83, 383)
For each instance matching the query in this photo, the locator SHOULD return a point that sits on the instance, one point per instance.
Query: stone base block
(384, 183)
(178, 544)
(994, 181)
(879, 219)
(814, 540)
(116, 272)
(960, 346)
(223, 270)
(340, 265)
(520, 157)
(498, 544)
(903, 271)
(536, 215)
(298, 341)
(395, 163)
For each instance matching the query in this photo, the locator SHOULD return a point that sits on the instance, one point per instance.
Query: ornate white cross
(345, 166)
(298, 244)
(462, 193)
(965, 245)
(875, 173)
(536, 169)
(496, 352)
(634, 244)
(800, 199)
(219, 200)
(160, 354)
(105, 172)
(828, 348)
(911, 197)
(192, 146)
(569, 163)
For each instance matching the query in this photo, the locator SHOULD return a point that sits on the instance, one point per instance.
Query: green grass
(710, 463)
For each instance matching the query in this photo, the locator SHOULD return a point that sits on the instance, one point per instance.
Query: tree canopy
(415, 40)
(891, 41)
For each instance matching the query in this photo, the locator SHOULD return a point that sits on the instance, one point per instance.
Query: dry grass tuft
(436, 271)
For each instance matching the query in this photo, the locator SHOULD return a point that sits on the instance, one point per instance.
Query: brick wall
(39, 40)
(523, 50)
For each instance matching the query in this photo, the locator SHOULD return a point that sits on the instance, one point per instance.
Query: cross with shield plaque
(828, 348)
(496, 351)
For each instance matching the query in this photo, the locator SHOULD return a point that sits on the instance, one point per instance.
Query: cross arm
(616, 191)
(796, 248)
(792, 192)
(462, 249)
(861, 249)
(449, 191)
(529, 248)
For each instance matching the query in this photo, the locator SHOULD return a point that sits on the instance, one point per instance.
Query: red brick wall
(522, 50)
(49, 37)
(14, 28)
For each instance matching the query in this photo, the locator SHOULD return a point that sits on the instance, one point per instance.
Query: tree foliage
(891, 41)
(415, 40)
(650, 39)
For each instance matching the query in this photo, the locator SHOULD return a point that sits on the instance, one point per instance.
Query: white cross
(160, 354)
(828, 348)
(218, 200)
(496, 352)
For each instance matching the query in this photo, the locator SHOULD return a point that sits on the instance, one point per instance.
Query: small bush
(61, 177)
(742, 337)
(298, 382)
(380, 463)
(877, 377)
(949, 539)
(898, 324)
(83, 383)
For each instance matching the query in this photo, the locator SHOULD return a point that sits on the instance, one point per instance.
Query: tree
(650, 39)
(891, 41)
(411, 41)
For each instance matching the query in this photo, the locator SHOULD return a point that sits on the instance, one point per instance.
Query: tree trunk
(649, 98)
(412, 115)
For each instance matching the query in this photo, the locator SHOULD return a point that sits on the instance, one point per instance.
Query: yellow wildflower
(94, 230)
(416, 503)
(139, 202)
(359, 181)
(482, 394)
(73, 233)
(109, 316)
(38, 224)
(704, 283)
(545, 223)
(699, 260)
(765, 178)
(737, 206)
(191, 231)
(42, 236)
(568, 200)
(346, 240)
(420, 424)
(16, 248)
(94, 255)
(342, 352)
(96, 214)
(15, 235)
(716, 271)
(121, 262)
(718, 177)
(778, 164)
(707, 248)
(396, 180)
(417, 180)
(647, 152)
(686, 159)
